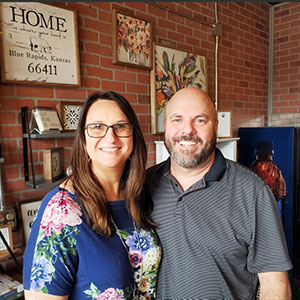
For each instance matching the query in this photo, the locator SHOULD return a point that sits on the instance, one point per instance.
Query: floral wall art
(172, 71)
(132, 41)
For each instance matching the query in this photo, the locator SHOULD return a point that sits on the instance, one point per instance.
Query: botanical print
(57, 244)
(57, 231)
(174, 70)
(144, 253)
(108, 294)
(133, 40)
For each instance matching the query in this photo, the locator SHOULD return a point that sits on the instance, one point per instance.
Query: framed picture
(70, 114)
(173, 70)
(53, 164)
(39, 44)
(132, 40)
(27, 211)
(225, 127)
(6, 231)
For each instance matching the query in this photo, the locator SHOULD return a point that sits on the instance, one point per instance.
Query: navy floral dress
(64, 256)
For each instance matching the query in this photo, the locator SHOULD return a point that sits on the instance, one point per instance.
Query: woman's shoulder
(61, 209)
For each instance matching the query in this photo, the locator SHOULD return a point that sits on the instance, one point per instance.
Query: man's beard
(190, 158)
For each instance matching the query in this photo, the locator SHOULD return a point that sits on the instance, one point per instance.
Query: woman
(93, 237)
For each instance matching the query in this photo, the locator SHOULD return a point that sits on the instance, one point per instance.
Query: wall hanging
(132, 40)
(70, 114)
(173, 70)
(27, 211)
(39, 44)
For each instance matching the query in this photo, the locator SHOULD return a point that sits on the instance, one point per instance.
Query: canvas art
(173, 70)
(132, 40)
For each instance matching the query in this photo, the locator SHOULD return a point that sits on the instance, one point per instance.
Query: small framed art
(132, 40)
(27, 210)
(224, 127)
(70, 115)
(6, 231)
(53, 164)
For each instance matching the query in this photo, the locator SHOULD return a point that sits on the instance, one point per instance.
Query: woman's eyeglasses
(98, 130)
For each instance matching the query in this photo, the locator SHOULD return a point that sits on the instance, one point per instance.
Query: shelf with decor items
(52, 166)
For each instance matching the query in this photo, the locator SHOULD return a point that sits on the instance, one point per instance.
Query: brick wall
(242, 82)
(286, 93)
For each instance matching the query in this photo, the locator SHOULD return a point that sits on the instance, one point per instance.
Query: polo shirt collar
(214, 174)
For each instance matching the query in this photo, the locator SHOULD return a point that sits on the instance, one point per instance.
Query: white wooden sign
(39, 44)
(28, 212)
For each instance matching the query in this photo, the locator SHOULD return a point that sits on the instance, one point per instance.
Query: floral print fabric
(65, 257)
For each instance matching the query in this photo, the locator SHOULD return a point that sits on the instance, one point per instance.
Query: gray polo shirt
(218, 234)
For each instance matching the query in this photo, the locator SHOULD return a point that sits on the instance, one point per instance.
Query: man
(218, 222)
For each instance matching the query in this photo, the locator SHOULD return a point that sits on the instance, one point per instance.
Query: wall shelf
(39, 184)
(37, 181)
(49, 136)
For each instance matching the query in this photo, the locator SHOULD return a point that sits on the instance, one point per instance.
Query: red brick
(140, 109)
(103, 5)
(15, 103)
(166, 24)
(93, 71)
(125, 76)
(105, 39)
(112, 85)
(70, 94)
(107, 63)
(7, 117)
(159, 32)
(137, 88)
(105, 16)
(89, 59)
(34, 194)
(49, 103)
(143, 78)
(156, 11)
(90, 82)
(11, 173)
(29, 91)
(93, 48)
(88, 35)
(10, 131)
(65, 143)
(84, 9)
(106, 74)
(9, 146)
(97, 25)
(175, 36)
(7, 90)
(137, 5)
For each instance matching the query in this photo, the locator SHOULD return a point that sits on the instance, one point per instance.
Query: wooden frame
(53, 164)
(70, 114)
(7, 234)
(225, 125)
(131, 40)
(185, 68)
(27, 211)
(39, 44)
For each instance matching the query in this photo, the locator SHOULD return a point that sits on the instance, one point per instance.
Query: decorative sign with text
(28, 212)
(39, 44)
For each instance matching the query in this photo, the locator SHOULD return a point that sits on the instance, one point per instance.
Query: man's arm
(274, 285)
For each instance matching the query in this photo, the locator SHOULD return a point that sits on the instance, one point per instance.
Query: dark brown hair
(89, 190)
